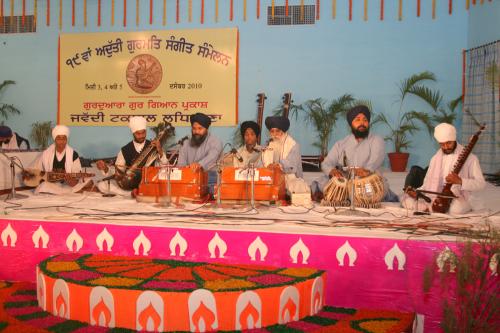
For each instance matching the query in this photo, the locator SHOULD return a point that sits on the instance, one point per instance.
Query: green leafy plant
(41, 133)
(471, 301)
(7, 109)
(406, 123)
(323, 117)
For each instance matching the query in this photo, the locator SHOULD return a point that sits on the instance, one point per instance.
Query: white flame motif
(494, 264)
(194, 301)
(215, 243)
(349, 250)
(150, 298)
(243, 300)
(61, 288)
(257, 245)
(395, 252)
(104, 236)
(418, 323)
(443, 257)
(74, 238)
(9, 233)
(40, 234)
(289, 293)
(318, 288)
(98, 294)
(144, 241)
(178, 240)
(299, 247)
(41, 289)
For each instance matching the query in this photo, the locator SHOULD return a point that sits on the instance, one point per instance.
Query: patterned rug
(19, 312)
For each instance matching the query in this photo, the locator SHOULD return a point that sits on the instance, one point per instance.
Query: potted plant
(41, 133)
(405, 124)
(7, 109)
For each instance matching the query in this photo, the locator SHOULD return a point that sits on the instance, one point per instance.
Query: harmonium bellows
(185, 184)
(269, 184)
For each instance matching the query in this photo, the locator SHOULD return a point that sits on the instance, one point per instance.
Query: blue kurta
(205, 155)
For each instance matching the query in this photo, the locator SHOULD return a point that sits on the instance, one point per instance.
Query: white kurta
(286, 152)
(440, 167)
(45, 162)
(13, 144)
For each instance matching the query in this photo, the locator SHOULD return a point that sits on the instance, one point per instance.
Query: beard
(450, 150)
(360, 132)
(197, 140)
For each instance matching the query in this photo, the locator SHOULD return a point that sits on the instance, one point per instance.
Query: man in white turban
(129, 153)
(60, 157)
(469, 179)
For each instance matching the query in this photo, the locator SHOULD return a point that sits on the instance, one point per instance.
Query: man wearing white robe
(469, 179)
(127, 155)
(60, 157)
(11, 140)
(283, 151)
(202, 150)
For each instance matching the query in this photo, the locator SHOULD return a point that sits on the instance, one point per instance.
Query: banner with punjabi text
(167, 75)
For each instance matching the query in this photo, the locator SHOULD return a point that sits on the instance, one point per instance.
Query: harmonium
(185, 184)
(236, 184)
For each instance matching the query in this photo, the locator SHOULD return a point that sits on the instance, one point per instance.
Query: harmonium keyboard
(269, 184)
(185, 184)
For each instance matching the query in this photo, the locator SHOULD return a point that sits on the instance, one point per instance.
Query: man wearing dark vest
(12, 140)
(128, 153)
(60, 157)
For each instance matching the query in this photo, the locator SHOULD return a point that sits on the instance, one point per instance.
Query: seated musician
(469, 179)
(361, 149)
(128, 154)
(12, 140)
(202, 150)
(250, 151)
(60, 157)
(284, 152)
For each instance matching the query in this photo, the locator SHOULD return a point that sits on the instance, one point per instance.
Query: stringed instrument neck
(440, 204)
(260, 112)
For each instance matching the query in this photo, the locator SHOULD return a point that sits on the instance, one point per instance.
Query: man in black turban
(12, 140)
(361, 149)
(250, 151)
(202, 150)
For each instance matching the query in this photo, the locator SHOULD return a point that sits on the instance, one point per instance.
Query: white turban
(445, 132)
(60, 130)
(137, 123)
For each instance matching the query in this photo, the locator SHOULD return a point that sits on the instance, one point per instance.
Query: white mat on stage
(391, 221)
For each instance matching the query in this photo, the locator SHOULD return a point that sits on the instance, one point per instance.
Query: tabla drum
(368, 192)
(335, 193)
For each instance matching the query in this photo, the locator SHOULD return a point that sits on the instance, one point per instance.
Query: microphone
(235, 153)
(423, 196)
(181, 141)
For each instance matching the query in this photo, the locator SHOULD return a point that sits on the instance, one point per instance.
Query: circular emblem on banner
(144, 73)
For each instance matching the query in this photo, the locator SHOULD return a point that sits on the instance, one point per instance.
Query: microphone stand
(168, 166)
(251, 166)
(13, 195)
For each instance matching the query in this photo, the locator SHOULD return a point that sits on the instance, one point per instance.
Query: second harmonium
(236, 184)
(185, 184)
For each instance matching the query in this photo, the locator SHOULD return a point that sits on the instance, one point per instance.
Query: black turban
(201, 119)
(5, 132)
(249, 124)
(352, 113)
(279, 122)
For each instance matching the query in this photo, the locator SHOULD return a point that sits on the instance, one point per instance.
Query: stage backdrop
(104, 78)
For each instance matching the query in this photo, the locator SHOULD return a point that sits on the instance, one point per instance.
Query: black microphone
(257, 150)
(181, 141)
(423, 196)
(235, 153)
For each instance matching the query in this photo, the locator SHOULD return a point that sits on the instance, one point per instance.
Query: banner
(167, 75)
